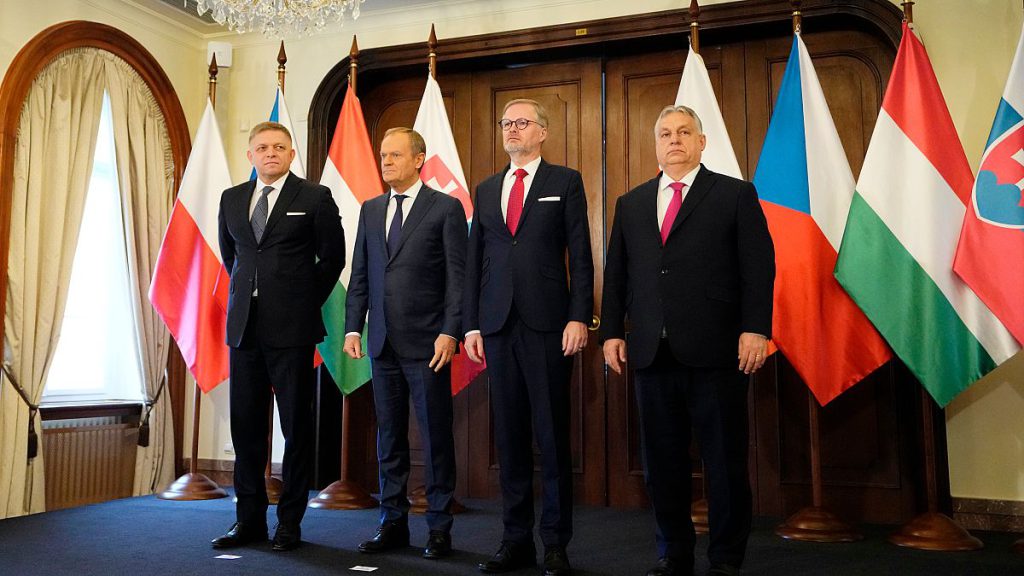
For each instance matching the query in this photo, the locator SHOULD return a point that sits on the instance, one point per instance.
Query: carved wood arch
(35, 56)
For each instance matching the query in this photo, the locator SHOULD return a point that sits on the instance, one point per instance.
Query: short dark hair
(265, 126)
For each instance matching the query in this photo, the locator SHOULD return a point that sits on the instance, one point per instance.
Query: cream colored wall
(971, 43)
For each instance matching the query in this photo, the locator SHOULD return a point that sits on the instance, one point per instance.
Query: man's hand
(475, 347)
(752, 352)
(353, 347)
(574, 337)
(444, 350)
(615, 354)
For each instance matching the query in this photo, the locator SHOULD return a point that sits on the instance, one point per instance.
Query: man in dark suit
(283, 245)
(528, 313)
(691, 264)
(407, 270)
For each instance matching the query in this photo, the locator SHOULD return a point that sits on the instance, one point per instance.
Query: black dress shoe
(438, 545)
(390, 535)
(510, 556)
(669, 567)
(723, 570)
(287, 537)
(240, 534)
(556, 562)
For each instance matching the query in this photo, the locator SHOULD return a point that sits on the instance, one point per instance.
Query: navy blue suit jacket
(415, 294)
(712, 280)
(299, 260)
(529, 269)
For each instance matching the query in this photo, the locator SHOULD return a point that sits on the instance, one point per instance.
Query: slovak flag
(279, 114)
(190, 285)
(990, 253)
(442, 171)
(806, 186)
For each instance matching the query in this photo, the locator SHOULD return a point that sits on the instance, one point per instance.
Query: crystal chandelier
(279, 17)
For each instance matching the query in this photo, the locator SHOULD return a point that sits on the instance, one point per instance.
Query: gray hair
(678, 110)
(538, 110)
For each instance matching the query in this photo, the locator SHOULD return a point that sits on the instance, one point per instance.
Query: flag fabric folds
(351, 173)
(805, 184)
(696, 92)
(990, 255)
(442, 171)
(190, 285)
(896, 259)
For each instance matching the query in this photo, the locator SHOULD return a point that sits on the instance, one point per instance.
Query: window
(97, 355)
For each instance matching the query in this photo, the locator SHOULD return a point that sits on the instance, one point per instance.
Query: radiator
(88, 460)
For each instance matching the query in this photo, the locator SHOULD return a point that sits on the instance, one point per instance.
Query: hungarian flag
(279, 114)
(806, 185)
(990, 255)
(442, 171)
(351, 173)
(896, 259)
(190, 285)
(696, 92)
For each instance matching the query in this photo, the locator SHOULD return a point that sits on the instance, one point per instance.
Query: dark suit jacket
(416, 294)
(712, 280)
(299, 259)
(530, 268)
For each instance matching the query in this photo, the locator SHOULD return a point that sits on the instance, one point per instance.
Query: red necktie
(672, 211)
(515, 202)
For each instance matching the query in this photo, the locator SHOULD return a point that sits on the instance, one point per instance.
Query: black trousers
(257, 372)
(671, 398)
(395, 381)
(529, 387)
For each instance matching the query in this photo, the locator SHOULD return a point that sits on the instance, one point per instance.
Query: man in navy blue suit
(407, 271)
(527, 311)
(691, 264)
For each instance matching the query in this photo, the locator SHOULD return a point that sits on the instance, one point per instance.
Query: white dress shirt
(665, 192)
(271, 198)
(510, 178)
(410, 194)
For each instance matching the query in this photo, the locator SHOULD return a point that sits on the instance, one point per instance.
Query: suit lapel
(424, 200)
(649, 206)
(243, 209)
(376, 214)
(535, 189)
(701, 185)
(496, 191)
(284, 199)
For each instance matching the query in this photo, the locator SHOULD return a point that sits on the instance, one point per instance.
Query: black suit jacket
(712, 280)
(530, 268)
(299, 260)
(415, 294)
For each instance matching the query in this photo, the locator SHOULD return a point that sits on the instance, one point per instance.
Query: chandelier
(278, 17)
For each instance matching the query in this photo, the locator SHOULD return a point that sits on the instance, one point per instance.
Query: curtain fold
(146, 178)
(52, 165)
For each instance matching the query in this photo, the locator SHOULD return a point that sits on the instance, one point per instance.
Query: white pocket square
(550, 199)
(295, 214)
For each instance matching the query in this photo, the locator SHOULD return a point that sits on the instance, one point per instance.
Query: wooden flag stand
(193, 485)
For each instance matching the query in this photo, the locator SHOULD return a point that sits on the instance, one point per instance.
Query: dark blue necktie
(260, 213)
(395, 230)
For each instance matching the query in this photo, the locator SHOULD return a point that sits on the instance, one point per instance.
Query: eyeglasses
(520, 124)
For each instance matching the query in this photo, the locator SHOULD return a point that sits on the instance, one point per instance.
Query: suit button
(664, 271)
(259, 251)
(515, 242)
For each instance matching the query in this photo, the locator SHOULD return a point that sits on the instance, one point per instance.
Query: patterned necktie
(259, 215)
(672, 211)
(395, 231)
(515, 202)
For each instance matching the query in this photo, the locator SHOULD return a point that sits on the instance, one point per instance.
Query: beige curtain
(145, 175)
(52, 166)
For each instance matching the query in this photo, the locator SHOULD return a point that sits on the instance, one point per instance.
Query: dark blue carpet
(147, 536)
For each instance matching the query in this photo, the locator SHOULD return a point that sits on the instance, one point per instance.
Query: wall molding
(993, 515)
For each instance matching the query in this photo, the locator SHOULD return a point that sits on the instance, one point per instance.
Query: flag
(279, 114)
(696, 92)
(442, 171)
(806, 185)
(990, 255)
(190, 285)
(896, 259)
(351, 173)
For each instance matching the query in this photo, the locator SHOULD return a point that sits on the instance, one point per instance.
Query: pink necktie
(515, 202)
(672, 211)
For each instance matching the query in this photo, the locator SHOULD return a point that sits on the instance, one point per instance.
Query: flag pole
(194, 485)
(418, 496)
(814, 523)
(931, 530)
(274, 485)
(1018, 546)
(345, 494)
(699, 508)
